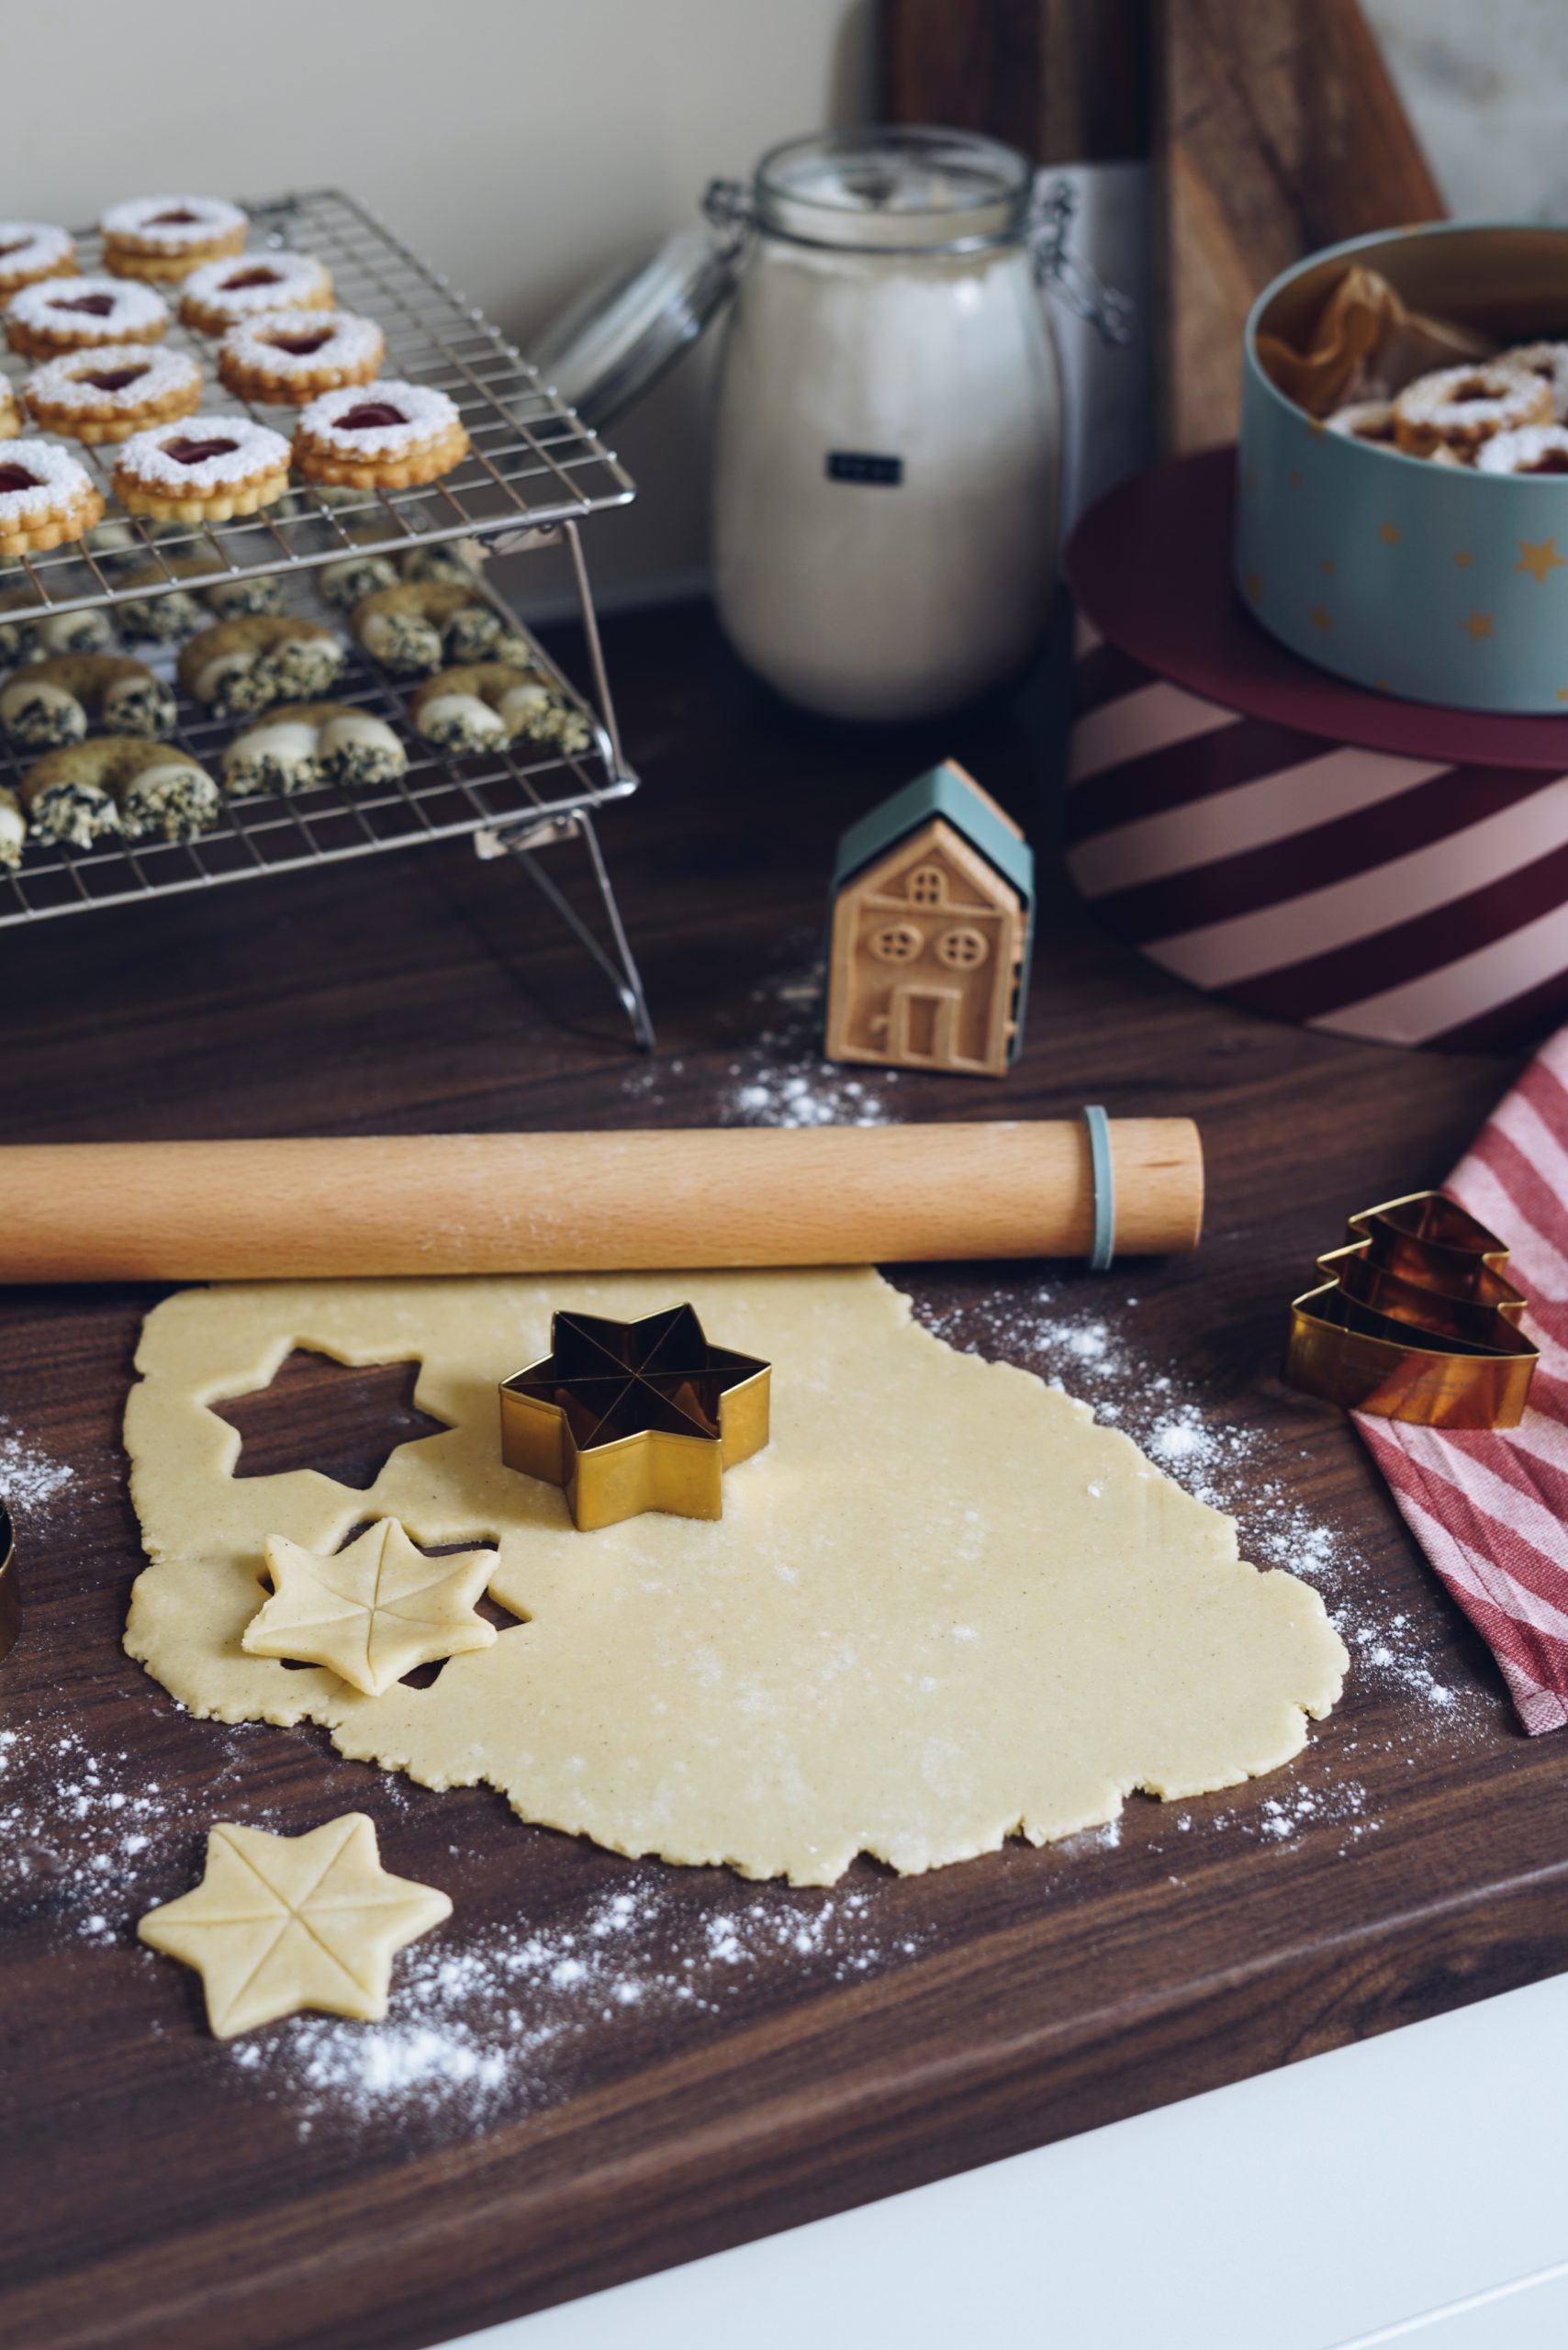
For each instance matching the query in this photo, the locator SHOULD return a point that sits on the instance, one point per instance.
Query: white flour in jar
(877, 596)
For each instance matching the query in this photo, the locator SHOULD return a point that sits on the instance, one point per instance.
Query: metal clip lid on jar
(881, 190)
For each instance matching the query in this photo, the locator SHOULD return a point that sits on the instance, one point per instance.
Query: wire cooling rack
(533, 473)
(533, 463)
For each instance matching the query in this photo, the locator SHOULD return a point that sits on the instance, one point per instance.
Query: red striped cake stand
(1386, 869)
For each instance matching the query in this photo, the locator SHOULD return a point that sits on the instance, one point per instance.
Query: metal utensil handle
(1052, 210)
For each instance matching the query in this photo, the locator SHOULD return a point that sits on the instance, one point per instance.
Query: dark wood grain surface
(157, 2190)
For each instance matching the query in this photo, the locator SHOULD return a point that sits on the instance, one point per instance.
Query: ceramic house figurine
(933, 905)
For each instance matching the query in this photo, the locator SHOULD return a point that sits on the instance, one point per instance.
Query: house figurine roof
(949, 791)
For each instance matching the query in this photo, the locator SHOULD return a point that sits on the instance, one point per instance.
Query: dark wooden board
(156, 2193)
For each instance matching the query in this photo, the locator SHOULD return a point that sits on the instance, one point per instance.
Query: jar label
(858, 465)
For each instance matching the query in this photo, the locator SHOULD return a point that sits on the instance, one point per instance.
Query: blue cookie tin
(1431, 582)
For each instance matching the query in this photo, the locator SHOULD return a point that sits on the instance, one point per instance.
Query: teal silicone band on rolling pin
(1105, 1175)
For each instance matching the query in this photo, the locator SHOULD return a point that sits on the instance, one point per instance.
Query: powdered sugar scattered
(779, 1078)
(29, 1479)
(499, 2021)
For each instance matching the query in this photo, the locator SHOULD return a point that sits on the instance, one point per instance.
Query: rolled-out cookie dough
(942, 1607)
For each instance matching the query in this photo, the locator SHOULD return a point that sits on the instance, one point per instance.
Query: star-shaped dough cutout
(634, 1415)
(373, 1611)
(1477, 626)
(1539, 561)
(284, 1922)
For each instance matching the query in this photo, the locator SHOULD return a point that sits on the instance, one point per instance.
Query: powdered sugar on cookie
(387, 419)
(91, 309)
(298, 343)
(196, 453)
(55, 481)
(84, 379)
(172, 221)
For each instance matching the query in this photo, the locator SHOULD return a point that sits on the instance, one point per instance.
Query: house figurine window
(933, 898)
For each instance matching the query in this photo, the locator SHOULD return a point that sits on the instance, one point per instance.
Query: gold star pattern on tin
(1327, 567)
(371, 1611)
(1463, 559)
(1321, 618)
(284, 1922)
(1293, 478)
(1254, 586)
(633, 1415)
(1477, 626)
(1389, 534)
(1541, 560)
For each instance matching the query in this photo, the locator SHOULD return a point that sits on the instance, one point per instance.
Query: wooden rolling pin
(561, 1203)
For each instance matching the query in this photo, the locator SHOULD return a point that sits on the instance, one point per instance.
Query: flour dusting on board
(779, 1077)
(29, 1479)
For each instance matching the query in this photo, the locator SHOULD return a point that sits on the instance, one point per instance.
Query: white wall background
(522, 145)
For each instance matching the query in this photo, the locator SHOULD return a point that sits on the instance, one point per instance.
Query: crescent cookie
(164, 237)
(294, 355)
(46, 496)
(220, 293)
(61, 699)
(383, 435)
(13, 830)
(170, 618)
(118, 783)
(423, 625)
(30, 635)
(30, 250)
(243, 666)
(483, 706)
(1459, 408)
(304, 744)
(107, 395)
(201, 469)
(352, 577)
(58, 314)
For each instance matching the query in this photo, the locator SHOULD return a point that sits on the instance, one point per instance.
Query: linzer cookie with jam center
(60, 314)
(10, 414)
(220, 293)
(46, 496)
(201, 469)
(384, 435)
(165, 237)
(292, 356)
(30, 250)
(107, 395)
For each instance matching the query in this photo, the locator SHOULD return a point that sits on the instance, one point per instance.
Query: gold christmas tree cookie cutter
(1417, 1321)
(627, 1416)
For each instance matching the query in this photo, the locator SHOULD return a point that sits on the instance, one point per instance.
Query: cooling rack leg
(620, 967)
(596, 650)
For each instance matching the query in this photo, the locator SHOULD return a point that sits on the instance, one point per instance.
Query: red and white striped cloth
(1491, 1509)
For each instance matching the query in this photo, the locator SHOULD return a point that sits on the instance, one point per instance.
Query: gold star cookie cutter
(1416, 1321)
(627, 1416)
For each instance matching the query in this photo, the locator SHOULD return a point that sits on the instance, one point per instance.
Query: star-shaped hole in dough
(284, 1922)
(372, 1612)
